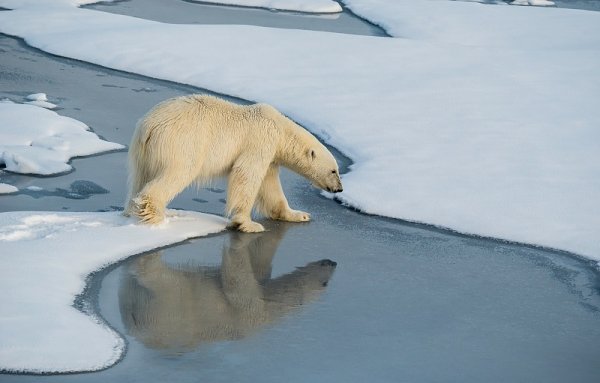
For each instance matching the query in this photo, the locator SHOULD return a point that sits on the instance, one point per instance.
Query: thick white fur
(196, 138)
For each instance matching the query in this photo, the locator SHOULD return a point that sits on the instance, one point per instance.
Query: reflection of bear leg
(152, 273)
(239, 285)
(245, 179)
(152, 201)
(263, 250)
(272, 201)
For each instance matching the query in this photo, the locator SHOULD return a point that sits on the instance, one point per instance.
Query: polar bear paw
(296, 216)
(147, 211)
(247, 226)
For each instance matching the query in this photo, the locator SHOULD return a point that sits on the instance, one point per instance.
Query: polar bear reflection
(169, 308)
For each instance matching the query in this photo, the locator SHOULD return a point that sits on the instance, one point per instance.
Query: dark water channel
(404, 302)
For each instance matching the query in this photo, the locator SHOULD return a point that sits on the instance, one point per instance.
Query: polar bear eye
(333, 171)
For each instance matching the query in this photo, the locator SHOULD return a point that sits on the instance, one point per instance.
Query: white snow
(481, 119)
(39, 141)
(308, 6)
(45, 258)
(6, 188)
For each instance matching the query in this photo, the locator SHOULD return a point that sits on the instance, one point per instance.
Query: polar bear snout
(328, 262)
(333, 183)
(337, 188)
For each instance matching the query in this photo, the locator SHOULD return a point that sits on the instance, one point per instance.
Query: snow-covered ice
(477, 118)
(39, 141)
(45, 258)
(6, 188)
(308, 6)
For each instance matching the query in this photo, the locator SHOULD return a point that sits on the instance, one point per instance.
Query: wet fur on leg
(147, 211)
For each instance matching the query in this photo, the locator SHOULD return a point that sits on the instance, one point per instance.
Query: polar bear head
(322, 168)
(301, 152)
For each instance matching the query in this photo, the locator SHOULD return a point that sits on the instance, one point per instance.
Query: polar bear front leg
(272, 201)
(244, 182)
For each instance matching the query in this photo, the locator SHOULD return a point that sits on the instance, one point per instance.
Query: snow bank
(479, 118)
(308, 6)
(45, 258)
(39, 141)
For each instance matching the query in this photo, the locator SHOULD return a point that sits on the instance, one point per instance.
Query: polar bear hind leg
(136, 181)
(151, 202)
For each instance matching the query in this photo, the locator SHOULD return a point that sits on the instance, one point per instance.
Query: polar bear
(180, 308)
(197, 138)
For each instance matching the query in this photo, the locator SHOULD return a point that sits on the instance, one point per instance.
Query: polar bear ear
(311, 154)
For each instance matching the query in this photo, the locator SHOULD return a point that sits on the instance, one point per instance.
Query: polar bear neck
(294, 142)
(294, 148)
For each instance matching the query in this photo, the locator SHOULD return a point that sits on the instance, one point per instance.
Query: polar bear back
(204, 134)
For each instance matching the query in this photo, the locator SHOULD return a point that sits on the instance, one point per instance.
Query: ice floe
(39, 141)
(6, 188)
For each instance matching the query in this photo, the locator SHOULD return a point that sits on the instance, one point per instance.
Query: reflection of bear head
(164, 307)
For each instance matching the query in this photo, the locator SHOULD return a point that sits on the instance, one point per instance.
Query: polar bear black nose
(328, 262)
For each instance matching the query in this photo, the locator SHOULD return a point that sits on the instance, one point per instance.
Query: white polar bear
(196, 138)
